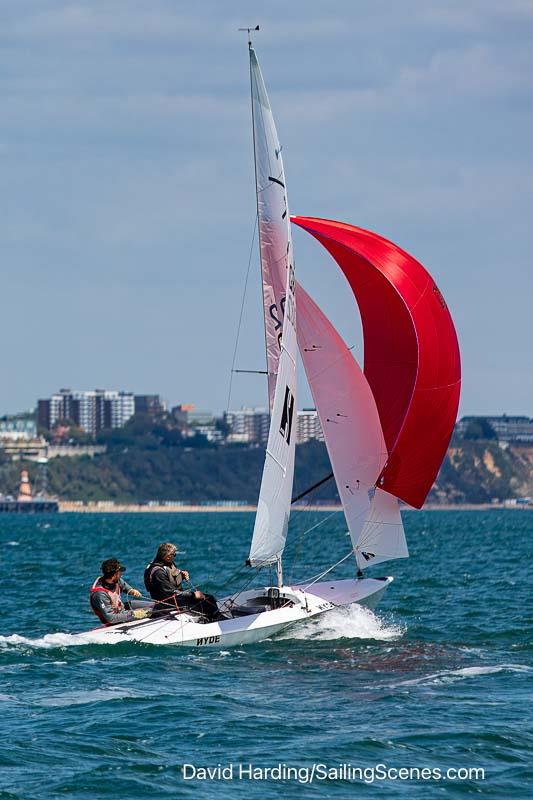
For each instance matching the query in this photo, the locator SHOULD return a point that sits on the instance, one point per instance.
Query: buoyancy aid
(113, 594)
(173, 574)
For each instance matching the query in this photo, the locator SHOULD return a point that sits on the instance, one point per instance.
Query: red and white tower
(25, 487)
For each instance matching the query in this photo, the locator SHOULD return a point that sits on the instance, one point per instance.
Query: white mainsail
(273, 508)
(274, 224)
(353, 435)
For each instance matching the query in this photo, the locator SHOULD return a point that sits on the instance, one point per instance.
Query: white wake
(353, 622)
(51, 640)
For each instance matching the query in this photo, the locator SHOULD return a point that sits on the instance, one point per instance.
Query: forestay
(273, 508)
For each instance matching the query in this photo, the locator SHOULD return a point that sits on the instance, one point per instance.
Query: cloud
(122, 19)
(127, 164)
(476, 15)
(478, 70)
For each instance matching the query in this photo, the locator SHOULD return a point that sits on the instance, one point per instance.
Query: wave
(354, 622)
(76, 698)
(51, 640)
(451, 675)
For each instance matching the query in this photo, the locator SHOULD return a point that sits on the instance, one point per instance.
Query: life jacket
(113, 594)
(173, 574)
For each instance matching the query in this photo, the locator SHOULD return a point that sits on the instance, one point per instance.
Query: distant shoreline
(110, 507)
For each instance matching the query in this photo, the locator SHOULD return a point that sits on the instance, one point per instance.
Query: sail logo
(367, 556)
(285, 427)
(439, 296)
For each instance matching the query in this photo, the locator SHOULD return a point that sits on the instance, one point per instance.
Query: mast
(250, 49)
(279, 311)
(275, 245)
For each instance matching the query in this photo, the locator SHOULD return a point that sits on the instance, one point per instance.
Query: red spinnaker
(411, 353)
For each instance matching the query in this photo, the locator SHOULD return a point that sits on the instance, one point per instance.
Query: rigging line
(240, 568)
(330, 364)
(299, 542)
(318, 524)
(241, 314)
(329, 569)
(230, 600)
(312, 488)
(258, 567)
(172, 606)
(164, 622)
(247, 582)
(167, 621)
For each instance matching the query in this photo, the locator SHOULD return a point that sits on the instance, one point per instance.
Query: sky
(128, 198)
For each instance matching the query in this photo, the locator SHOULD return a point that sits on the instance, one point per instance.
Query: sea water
(395, 702)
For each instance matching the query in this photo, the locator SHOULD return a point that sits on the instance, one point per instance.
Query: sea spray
(355, 622)
(50, 640)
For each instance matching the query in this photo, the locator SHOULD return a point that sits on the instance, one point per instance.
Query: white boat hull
(297, 603)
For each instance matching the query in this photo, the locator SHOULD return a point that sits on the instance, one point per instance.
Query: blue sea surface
(437, 678)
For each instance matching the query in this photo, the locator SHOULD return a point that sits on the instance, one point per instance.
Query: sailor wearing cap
(105, 598)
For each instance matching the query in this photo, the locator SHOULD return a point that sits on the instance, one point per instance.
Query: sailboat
(386, 426)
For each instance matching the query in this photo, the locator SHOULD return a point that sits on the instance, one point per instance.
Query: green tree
(480, 428)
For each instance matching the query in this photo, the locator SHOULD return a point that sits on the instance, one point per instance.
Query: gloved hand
(134, 593)
(140, 613)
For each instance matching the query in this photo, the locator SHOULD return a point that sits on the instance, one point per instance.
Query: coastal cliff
(473, 472)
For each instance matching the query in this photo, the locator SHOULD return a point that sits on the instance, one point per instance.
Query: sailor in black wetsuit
(163, 580)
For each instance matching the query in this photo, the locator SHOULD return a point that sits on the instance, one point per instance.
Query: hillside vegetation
(138, 471)
(135, 474)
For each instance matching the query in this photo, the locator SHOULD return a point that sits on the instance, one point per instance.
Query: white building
(248, 425)
(122, 407)
(308, 426)
(87, 403)
(91, 411)
(507, 429)
(18, 426)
